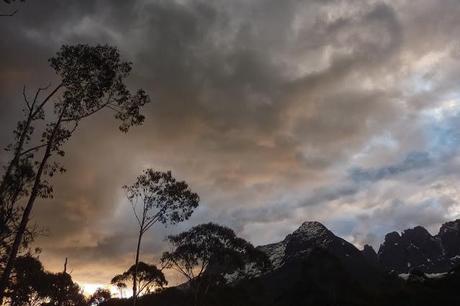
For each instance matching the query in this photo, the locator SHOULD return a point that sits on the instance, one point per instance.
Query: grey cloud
(414, 161)
(399, 215)
(260, 105)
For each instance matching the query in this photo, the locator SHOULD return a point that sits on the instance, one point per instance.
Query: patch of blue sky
(383, 141)
(447, 106)
(419, 83)
(443, 136)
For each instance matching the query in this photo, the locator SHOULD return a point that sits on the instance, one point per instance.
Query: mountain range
(413, 249)
(313, 266)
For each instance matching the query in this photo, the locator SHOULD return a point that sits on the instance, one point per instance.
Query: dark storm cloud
(262, 106)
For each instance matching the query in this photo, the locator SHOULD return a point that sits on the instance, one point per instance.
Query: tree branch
(133, 206)
(32, 149)
(37, 93)
(10, 14)
(25, 97)
(152, 221)
(92, 112)
(46, 99)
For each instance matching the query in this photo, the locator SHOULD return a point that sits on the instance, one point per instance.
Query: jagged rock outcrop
(370, 255)
(449, 234)
(417, 249)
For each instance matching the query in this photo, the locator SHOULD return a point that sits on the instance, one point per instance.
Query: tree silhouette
(207, 253)
(61, 290)
(121, 286)
(19, 175)
(99, 296)
(12, 13)
(148, 277)
(32, 285)
(91, 79)
(158, 197)
(28, 284)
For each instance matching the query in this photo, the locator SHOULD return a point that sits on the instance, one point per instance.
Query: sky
(275, 112)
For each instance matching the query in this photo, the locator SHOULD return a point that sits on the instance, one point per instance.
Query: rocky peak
(391, 239)
(311, 230)
(449, 235)
(416, 248)
(369, 254)
(449, 227)
(417, 234)
(309, 236)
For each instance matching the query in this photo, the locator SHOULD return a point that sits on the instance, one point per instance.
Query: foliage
(32, 285)
(91, 79)
(208, 252)
(158, 197)
(149, 277)
(27, 284)
(10, 13)
(162, 198)
(99, 296)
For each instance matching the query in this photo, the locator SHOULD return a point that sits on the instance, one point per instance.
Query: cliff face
(417, 249)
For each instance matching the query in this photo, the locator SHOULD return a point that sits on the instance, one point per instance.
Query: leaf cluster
(149, 277)
(93, 78)
(212, 251)
(161, 198)
(99, 296)
(32, 285)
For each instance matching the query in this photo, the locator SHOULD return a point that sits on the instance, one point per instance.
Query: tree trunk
(20, 144)
(135, 268)
(65, 266)
(26, 214)
(13, 163)
(196, 292)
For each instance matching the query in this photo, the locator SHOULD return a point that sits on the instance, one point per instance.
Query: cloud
(274, 112)
(414, 161)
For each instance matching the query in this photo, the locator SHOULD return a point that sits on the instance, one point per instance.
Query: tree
(91, 80)
(121, 286)
(148, 278)
(18, 177)
(28, 283)
(158, 197)
(12, 13)
(205, 254)
(62, 291)
(99, 296)
(32, 285)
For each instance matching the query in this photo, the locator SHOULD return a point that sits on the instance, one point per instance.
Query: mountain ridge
(416, 248)
(313, 266)
(412, 249)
